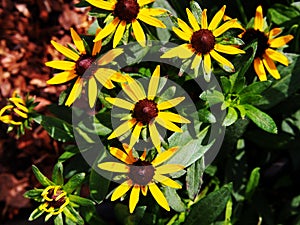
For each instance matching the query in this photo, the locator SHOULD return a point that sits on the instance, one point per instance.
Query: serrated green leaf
(252, 183)
(41, 178)
(174, 199)
(231, 117)
(194, 178)
(35, 214)
(81, 201)
(74, 182)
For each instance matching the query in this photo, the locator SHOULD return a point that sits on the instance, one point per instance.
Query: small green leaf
(69, 152)
(231, 117)
(81, 201)
(35, 214)
(57, 175)
(212, 97)
(58, 220)
(174, 200)
(74, 182)
(228, 213)
(226, 85)
(34, 194)
(194, 178)
(206, 116)
(196, 10)
(261, 119)
(252, 183)
(73, 215)
(41, 178)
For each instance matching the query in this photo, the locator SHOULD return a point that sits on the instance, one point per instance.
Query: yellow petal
(143, 156)
(153, 84)
(128, 150)
(119, 33)
(121, 103)
(168, 168)
(121, 190)
(196, 62)
(61, 65)
(75, 92)
(271, 67)
(77, 41)
(154, 135)
(280, 41)
(102, 4)
(274, 32)
(186, 29)
(259, 69)
(144, 2)
(20, 113)
(138, 33)
(152, 11)
(65, 51)
(110, 56)
(181, 34)
(221, 59)
(183, 51)
(114, 167)
(170, 103)
(92, 91)
(118, 77)
(159, 196)
(259, 19)
(135, 134)
(167, 124)
(120, 155)
(103, 76)
(217, 19)
(228, 49)
(5, 108)
(122, 129)
(144, 190)
(143, 16)
(127, 89)
(137, 88)
(173, 117)
(62, 77)
(134, 198)
(6, 119)
(97, 45)
(192, 20)
(164, 156)
(21, 106)
(204, 24)
(166, 181)
(107, 30)
(277, 56)
(226, 26)
(207, 63)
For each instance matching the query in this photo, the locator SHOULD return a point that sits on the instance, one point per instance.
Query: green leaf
(280, 13)
(41, 178)
(124, 217)
(73, 215)
(81, 201)
(58, 129)
(207, 210)
(255, 88)
(58, 220)
(249, 98)
(194, 178)
(206, 116)
(226, 85)
(228, 213)
(261, 119)
(69, 152)
(91, 217)
(174, 199)
(196, 10)
(212, 97)
(231, 117)
(74, 182)
(57, 174)
(34, 194)
(35, 214)
(252, 183)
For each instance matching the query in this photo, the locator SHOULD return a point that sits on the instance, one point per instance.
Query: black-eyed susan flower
(81, 61)
(142, 175)
(126, 12)
(202, 41)
(267, 42)
(145, 112)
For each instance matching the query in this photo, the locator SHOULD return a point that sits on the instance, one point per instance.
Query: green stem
(242, 12)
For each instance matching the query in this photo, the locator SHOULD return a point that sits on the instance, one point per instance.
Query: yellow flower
(267, 42)
(142, 174)
(55, 200)
(202, 40)
(15, 112)
(145, 112)
(127, 12)
(75, 69)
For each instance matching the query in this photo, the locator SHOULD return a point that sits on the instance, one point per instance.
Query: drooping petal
(62, 77)
(102, 4)
(164, 156)
(20, 113)
(271, 67)
(228, 49)
(138, 33)
(277, 56)
(166, 181)
(170, 103)
(217, 19)
(134, 198)
(77, 41)
(280, 41)
(153, 84)
(119, 33)
(181, 34)
(150, 20)
(75, 92)
(184, 27)
(121, 190)
(21, 107)
(103, 76)
(173, 117)
(207, 63)
(168, 168)
(196, 62)
(136, 87)
(159, 196)
(204, 24)
(120, 155)
(274, 32)
(65, 51)
(259, 69)
(154, 135)
(121, 103)
(122, 129)
(61, 65)
(192, 20)
(108, 29)
(144, 2)
(92, 91)
(221, 59)
(114, 167)
(97, 45)
(226, 26)
(182, 51)
(259, 19)
(5, 108)
(135, 134)
(167, 124)
(6, 119)
(110, 56)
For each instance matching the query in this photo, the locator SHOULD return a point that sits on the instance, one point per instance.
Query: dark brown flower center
(141, 172)
(83, 63)
(262, 40)
(203, 41)
(144, 111)
(126, 10)
(56, 203)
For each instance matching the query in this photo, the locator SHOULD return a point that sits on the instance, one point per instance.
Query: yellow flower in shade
(81, 61)
(145, 112)
(126, 12)
(16, 112)
(142, 175)
(202, 41)
(55, 200)
(267, 42)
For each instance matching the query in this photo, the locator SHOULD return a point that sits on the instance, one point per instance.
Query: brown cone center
(126, 10)
(83, 63)
(145, 110)
(55, 203)
(203, 41)
(141, 173)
